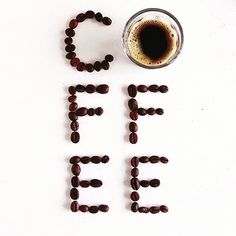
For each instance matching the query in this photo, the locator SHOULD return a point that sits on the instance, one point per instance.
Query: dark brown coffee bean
(105, 65)
(95, 159)
(73, 106)
(74, 125)
(81, 17)
(106, 20)
(75, 137)
(70, 48)
(75, 169)
(102, 88)
(75, 181)
(73, 24)
(143, 209)
(132, 90)
(153, 88)
(153, 159)
(154, 183)
(135, 172)
(151, 111)
(68, 40)
(98, 111)
(133, 115)
(82, 111)
(105, 159)
(133, 127)
(84, 183)
(80, 88)
(93, 209)
(144, 183)
(134, 207)
(98, 17)
(142, 88)
(72, 116)
(109, 58)
(97, 66)
(89, 67)
(85, 159)
(90, 88)
(134, 196)
(134, 182)
(80, 66)
(164, 209)
(154, 209)
(103, 208)
(89, 14)
(83, 208)
(70, 55)
(74, 206)
(164, 160)
(96, 183)
(70, 32)
(163, 89)
(74, 193)
(159, 111)
(72, 90)
(91, 112)
(74, 61)
(134, 161)
(144, 159)
(72, 98)
(74, 159)
(133, 138)
(141, 111)
(133, 104)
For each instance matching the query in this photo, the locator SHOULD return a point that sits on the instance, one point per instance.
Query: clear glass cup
(153, 14)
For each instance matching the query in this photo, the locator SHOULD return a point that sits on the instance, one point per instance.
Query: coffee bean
(85, 159)
(84, 183)
(134, 161)
(164, 209)
(135, 172)
(105, 65)
(97, 66)
(98, 111)
(102, 88)
(72, 116)
(72, 90)
(74, 159)
(74, 193)
(74, 206)
(109, 58)
(103, 208)
(89, 67)
(91, 112)
(133, 127)
(159, 111)
(70, 48)
(144, 183)
(106, 20)
(80, 66)
(82, 111)
(164, 160)
(73, 24)
(133, 115)
(75, 181)
(80, 88)
(143, 209)
(95, 159)
(163, 89)
(73, 106)
(154, 183)
(75, 169)
(142, 88)
(81, 17)
(151, 111)
(105, 159)
(72, 98)
(133, 138)
(144, 159)
(134, 196)
(153, 88)
(68, 40)
(70, 55)
(134, 182)
(90, 88)
(75, 137)
(89, 14)
(98, 16)
(132, 90)
(153, 159)
(96, 183)
(141, 111)
(70, 32)
(134, 207)
(154, 210)
(93, 209)
(74, 61)
(133, 104)
(83, 208)
(74, 125)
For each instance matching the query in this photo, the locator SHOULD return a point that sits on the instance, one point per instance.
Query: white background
(197, 132)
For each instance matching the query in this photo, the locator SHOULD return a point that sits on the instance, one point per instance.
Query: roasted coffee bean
(70, 48)
(74, 61)
(75, 137)
(70, 32)
(91, 112)
(74, 206)
(151, 111)
(98, 111)
(105, 65)
(133, 115)
(90, 88)
(141, 111)
(133, 127)
(132, 90)
(98, 16)
(154, 183)
(96, 183)
(142, 88)
(89, 14)
(109, 58)
(105, 159)
(134, 161)
(70, 55)
(133, 104)
(81, 17)
(72, 98)
(75, 169)
(135, 172)
(93, 209)
(80, 88)
(135, 184)
(89, 67)
(73, 106)
(72, 116)
(163, 89)
(106, 20)
(72, 90)
(74, 159)
(133, 138)
(95, 159)
(159, 111)
(83, 208)
(134, 196)
(85, 159)
(103, 208)
(134, 207)
(73, 24)
(102, 88)
(153, 88)
(68, 40)
(144, 159)
(80, 66)
(74, 193)
(84, 183)
(164, 160)
(74, 125)
(82, 111)
(97, 66)
(75, 181)
(154, 209)
(164, 209)
(144, 183)
(143, 209)
(153, 159)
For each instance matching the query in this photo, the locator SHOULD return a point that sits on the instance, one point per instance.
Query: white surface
(197, 132)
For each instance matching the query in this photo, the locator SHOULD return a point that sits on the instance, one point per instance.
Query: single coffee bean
(80, 88)
(89, 14)
(90, 88)
(153, 88)
(133, 138)
(74, 159)
(142, 88)
(159, 111)
(75, 169)
(72, 116)
(143, 209)
(82, 111)
(105, 65)
(154, 183)
(81, 17)
(95, 159)
(74, 125)
(106, 20)
(73, 106)
(70, 48)
(74, 61)
(135, 172)
(84, 183)
(97, 66)
(93, 209)
(134, 207)
(144, 159)
(72, 98)
(85, 159)
(75, 181)
(98, 17)
(91, 112)
(134, 161)
(144, 183)
(102, 88)
(70, 32)
(151, 111)
(98, 111)
(74, 206)
(141, 111)
(134, 196)
(154, 209)
(75, 137)
(70, 55)
(96, 183)
(73, 24)
(68, 40)
(132, 90)
(164, 209)
(135, 184)
(74, 193)
(103, 208)
(133, 115)
(83, 208)
(80, 66)
(89, 67)
(109, 58)
(164, 160)
(105, 159)
(133, 104)
(72, 90)
(153, 159)
(133, 127)
(163, 89)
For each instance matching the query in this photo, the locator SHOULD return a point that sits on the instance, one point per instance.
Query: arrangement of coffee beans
(136, 111)
(76, 182)
(75, 111)
(70, 47)
(135, 183)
